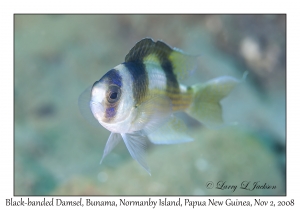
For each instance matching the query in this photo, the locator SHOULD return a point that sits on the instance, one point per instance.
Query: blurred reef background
(57, 152)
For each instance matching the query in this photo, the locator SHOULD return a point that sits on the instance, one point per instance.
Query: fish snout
(97, 109)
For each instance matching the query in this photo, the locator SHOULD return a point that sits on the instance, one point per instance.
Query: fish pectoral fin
(84, 107)
(153, 113)
(172, 132)
(136, 144)
(113, 140)
(206, 105)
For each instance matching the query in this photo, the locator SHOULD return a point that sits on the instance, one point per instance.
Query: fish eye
(113, 93)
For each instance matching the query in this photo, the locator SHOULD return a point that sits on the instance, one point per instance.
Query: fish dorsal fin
(148, 51)
(172, 132)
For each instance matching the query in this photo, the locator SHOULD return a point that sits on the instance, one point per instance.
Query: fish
(137, 99)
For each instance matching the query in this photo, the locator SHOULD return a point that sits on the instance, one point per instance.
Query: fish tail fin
(206, 106)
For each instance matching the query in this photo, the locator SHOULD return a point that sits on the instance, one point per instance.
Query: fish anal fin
(172, 132)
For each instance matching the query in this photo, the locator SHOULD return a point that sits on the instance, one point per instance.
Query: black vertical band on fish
(140, 80)
(112, 77)
(162, 52)
(172, 83)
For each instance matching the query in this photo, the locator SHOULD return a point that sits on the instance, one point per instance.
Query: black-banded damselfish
(136, 99)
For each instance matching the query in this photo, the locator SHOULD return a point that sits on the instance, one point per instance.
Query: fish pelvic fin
(136, 144)
(206, 106)
(113, 140)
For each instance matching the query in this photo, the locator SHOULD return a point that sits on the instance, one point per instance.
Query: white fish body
(136, 99)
